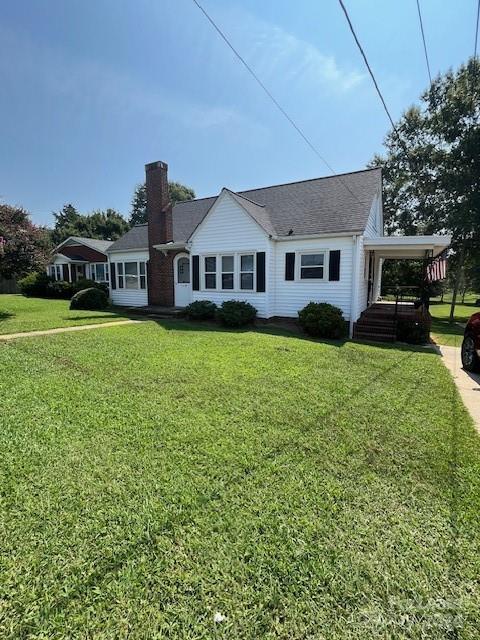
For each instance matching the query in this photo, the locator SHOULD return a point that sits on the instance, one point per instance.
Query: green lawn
(18, 314)
(154, 474)
(451, 334)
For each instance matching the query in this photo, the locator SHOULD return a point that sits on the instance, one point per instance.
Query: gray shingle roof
(99, 245)
(320, 205)
(136, 238)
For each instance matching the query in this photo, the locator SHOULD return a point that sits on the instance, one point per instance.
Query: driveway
(467, 383)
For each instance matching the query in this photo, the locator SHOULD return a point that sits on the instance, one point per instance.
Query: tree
(178, 193)
(103, 225)
(24, 246)
(432, 167)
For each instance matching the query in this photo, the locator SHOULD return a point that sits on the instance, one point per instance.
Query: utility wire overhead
(476, 31)
(367, 64)
(424, 41)
(273, 99)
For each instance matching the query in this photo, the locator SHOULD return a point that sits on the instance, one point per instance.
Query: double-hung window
(99, 272)
(312, 266)
(131, 275)
(247, 270)
(57, 272)
(228, 272)
(210, 272)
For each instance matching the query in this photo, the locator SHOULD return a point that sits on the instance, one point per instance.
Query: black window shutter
(113, 279)
(261, 271)
(195, 273)
(334, 265)
(290, 266)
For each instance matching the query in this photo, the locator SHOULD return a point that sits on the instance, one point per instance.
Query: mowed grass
(155, 474)
(443, 332)
(19, 314)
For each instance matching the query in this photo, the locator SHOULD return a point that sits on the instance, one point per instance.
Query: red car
(471, 344)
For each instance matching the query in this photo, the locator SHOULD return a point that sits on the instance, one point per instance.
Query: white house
(277, 247)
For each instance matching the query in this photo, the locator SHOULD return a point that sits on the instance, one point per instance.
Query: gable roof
(309, 207)
(93, 243)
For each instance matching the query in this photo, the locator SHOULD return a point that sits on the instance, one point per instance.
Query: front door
(183, 288)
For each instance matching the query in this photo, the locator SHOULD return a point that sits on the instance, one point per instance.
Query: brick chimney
(160, 231)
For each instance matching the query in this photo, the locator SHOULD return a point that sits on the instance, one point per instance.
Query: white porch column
(69, 272)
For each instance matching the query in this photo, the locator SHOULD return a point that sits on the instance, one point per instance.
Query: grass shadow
(182, 324)
(5, 315)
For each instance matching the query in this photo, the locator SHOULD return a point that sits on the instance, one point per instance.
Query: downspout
(353, 295)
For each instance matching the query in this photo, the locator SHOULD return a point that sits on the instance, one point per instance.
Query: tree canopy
(24, 246)
(103, 225)
(431, 170)
(178, 193)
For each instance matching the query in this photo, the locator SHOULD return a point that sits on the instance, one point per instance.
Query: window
(131, 275)
(312, 266)
(120, 274)
(228, 272)
(183, 270)
(247, 271)
(99, 272)
(143, 275)
(211, 272)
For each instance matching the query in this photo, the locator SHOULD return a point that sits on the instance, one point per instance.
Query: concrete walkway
(80, 327)
(467, 383)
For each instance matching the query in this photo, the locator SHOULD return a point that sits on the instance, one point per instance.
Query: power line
(476, 32)
(272, 98)
(424, 42)
(368, 66)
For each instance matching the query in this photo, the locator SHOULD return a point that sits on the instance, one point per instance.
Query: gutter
(354, 292)
(312, 236)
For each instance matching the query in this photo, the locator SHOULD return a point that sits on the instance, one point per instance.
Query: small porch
(67, 269)
(380, 320)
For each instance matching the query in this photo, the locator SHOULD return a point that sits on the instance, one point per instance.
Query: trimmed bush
(35, 284)
(201, 310)
(92, 299)
(234, 313)
(59, 289)
(85, 283)
(323, 320)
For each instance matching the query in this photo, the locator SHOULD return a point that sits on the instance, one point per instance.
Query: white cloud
(277, 54)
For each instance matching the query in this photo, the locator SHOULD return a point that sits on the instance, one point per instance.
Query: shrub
(85, 283)
(201, 310)
(92, 299)
(413, 331)
(323, 320)
(59, 289)
(35, 284)
(234, 313)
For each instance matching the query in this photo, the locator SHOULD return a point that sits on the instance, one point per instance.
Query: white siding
(128, 297)
(293, 295)
(373, 229)
(230, 229)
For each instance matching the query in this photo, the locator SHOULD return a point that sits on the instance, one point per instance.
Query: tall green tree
(431, 170)
(24, 246)
(178, 193)
(103, 225)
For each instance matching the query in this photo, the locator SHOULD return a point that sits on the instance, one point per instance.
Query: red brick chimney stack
(160, 231)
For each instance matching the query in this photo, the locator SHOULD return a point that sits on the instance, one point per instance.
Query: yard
(155, 474)
(451, 334)
(19, 314)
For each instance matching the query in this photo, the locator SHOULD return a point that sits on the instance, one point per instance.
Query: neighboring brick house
(76, 258)
(277, 247)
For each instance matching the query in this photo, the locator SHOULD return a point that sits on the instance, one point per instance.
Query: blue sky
(93, 90)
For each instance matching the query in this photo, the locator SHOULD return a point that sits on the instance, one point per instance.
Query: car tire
(470, 359)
